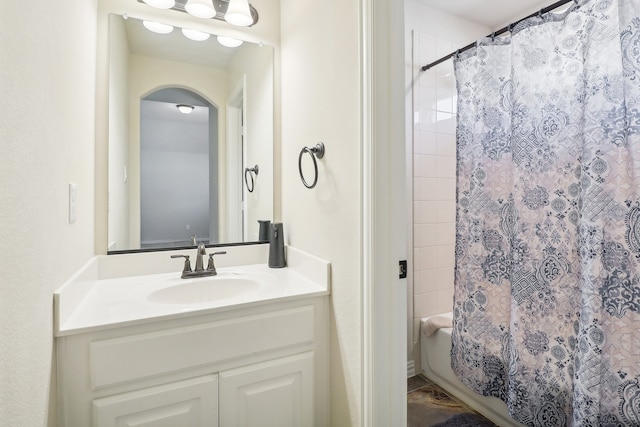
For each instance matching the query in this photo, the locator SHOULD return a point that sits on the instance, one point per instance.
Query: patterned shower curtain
(547, 294)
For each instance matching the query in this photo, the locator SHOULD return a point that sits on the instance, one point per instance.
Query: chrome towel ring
(317, 151)
(250, 172)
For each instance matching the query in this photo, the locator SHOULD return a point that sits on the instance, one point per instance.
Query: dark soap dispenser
(276, 246)
(263, 231)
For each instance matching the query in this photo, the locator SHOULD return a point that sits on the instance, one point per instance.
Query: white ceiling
(494, 14)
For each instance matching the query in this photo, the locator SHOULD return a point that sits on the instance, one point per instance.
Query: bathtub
(435, 358)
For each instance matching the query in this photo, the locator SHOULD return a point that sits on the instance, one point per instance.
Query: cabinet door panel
(190, 403)
(275, 393)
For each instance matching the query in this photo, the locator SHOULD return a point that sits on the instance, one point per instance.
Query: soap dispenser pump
(276, 246)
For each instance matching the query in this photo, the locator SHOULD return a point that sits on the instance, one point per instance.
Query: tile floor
(428, 405)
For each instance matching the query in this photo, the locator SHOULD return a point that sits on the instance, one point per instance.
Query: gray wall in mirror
(236, 87)
(175, 154)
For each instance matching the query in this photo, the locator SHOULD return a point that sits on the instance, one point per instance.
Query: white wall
(47, 83)
(321, 102)
(430, 132)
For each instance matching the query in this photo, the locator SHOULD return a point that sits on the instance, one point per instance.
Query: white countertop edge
(71, 294)
(199, 312)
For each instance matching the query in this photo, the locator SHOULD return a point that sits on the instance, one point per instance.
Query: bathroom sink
(204, 290)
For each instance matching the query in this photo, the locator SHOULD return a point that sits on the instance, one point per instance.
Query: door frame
(235, 187)
(384, 295)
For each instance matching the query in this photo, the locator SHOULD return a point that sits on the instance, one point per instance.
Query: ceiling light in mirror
(238, 13)
(229, 41)
(157, 27)
(185, 108)
(161, 4)
(200, 8)
(195, 35)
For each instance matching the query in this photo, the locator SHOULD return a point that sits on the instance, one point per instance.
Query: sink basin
(203, 290)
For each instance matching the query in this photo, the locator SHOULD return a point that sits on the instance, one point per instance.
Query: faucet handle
(210, 266)
(187, 264)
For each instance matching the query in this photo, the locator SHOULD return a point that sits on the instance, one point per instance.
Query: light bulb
(229, 41)
(238, 13)
(157, 27)
(161, 4)
(200, 8)
(195, 35)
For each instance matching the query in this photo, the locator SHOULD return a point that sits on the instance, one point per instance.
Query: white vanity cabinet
(265, 365)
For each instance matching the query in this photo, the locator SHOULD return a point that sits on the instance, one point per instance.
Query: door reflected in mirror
(176, 178)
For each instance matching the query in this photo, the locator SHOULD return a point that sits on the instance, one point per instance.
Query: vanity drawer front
(119, 360)
(193, 402)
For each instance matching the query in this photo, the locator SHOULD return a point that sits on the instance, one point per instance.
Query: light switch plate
(73, 203)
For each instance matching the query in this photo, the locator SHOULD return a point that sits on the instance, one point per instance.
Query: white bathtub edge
(437, 367)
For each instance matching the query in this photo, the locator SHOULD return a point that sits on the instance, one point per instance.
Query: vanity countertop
(109, 292)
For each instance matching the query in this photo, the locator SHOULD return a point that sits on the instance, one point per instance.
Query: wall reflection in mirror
(186, 118)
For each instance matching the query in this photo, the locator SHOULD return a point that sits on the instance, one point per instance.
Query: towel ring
(250, 171)
(317, 151)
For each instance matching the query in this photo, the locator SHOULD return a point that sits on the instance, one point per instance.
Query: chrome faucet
(187, 273)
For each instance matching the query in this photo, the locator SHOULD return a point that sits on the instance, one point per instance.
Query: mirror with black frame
(188, 122)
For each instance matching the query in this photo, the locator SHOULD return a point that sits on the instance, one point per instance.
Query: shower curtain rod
(500, 31)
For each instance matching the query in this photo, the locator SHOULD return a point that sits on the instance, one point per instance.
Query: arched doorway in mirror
(178, 169)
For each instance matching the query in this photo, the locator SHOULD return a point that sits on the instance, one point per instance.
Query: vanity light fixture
(200, 8)
(157, 27)
(195, 35)
(235, 12)
(238, 13)
(185, 108)
(161, 4)
(229, 41)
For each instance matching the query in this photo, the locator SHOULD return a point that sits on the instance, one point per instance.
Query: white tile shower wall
(434, 179)
(431, 33)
